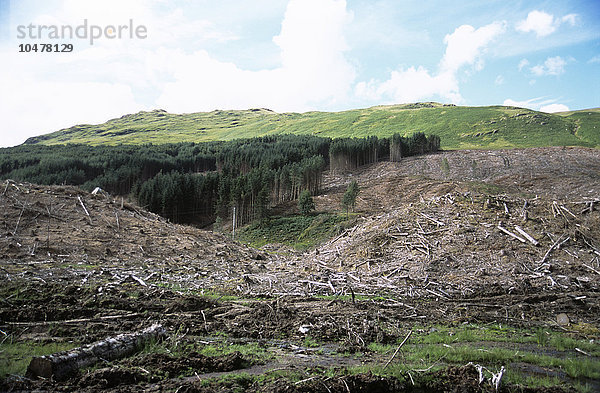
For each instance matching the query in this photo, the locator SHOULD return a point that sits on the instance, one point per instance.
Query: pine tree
(349, 199)
(305, 203)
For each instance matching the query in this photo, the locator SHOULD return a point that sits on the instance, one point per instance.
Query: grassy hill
(459, 127)
(588, 123)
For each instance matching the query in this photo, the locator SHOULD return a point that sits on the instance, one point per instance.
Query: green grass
(439, 346)
(176, 347)
(16, 356)
(432, 348)
(251, 350)
(211, 294)
(300, 232)
(588, 124)
(459, 127)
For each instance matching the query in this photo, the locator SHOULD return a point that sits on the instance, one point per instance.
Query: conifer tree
(306, 203)
(349, 199)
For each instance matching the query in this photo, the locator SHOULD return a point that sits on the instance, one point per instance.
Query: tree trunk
(61, 365)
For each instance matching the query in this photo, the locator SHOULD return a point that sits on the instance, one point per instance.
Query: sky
(289, 56)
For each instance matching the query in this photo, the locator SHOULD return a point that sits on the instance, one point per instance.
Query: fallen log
(62, 365)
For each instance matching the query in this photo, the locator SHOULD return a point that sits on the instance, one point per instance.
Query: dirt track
(426, 249)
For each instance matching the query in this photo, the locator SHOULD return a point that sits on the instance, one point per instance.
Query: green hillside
(587, 123)
(459, 127)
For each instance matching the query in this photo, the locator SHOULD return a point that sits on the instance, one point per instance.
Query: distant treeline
(189, 182)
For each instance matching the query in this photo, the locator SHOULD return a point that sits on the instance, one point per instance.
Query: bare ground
(426, 246)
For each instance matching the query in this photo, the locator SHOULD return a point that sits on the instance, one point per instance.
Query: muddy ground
(426, 249)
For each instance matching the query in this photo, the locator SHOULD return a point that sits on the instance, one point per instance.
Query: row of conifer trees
(189, 182)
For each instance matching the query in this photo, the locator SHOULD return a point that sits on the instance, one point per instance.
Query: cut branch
(84, 208)
(397, 349)
(19, 220)
(556, 244)
(526, 235)
(511, 234)
(432, 219)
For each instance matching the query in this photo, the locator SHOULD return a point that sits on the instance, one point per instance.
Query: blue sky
(295, 55)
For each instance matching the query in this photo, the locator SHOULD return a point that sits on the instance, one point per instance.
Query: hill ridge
(460, 127)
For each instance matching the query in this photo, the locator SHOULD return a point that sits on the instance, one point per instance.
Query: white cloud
(539, 104)
(544, 24)
(410, 85)
(45, 106)
(465, 46)
(313, 72)
(552, 66)
(520, 104)
(595, 59)
(523, 63)
(570, 19)
(539, 22)
(554, 108)
(499, 80)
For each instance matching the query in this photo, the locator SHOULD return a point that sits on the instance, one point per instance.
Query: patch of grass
(584, 387)
(251, 350)
(587, 123)
(16, 356)
(542, 337)
(310, 342)
(460, 345)
(203, 292)
(485, 188)
(237, 383)
(536, 381)
(298, 231)
(176, 347)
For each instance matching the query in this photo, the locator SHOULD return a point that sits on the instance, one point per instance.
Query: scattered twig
(84, 208)
(556, 244)
(79, 320)
(567, 210)
(591, 268)
(526, 235)
(205, 323)
(397, 349)
(432, 219)
(497, 378)
(583, 352)
(139, 280)
(500, 227)
(19, 220)
(305, 380)
(411, 378)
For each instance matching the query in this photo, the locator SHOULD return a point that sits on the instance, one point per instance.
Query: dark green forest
(196, 183)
